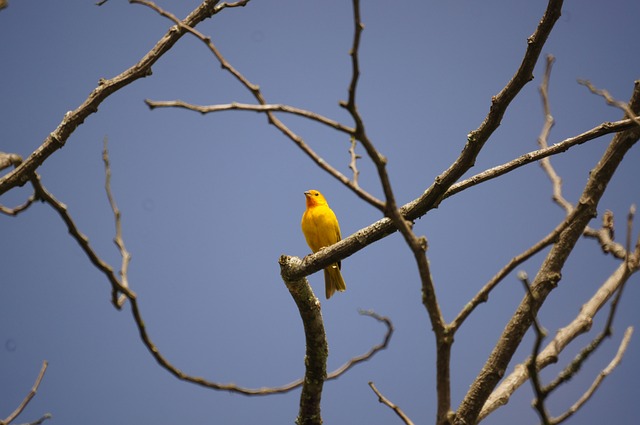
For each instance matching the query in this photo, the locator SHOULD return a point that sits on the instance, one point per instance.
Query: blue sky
(210, 202)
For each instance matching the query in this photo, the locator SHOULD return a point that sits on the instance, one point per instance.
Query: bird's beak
(307, 193)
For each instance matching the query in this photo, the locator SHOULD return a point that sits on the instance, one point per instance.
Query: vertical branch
(418, 245)
(545, 163)
(118, 302)
(532, 366)
(317, 348)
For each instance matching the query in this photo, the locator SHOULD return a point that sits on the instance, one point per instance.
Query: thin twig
(382, 399)
(19, 208)
(533, 156)
(483, 294)
(40, 420)
(366, 356)
(250, 107)
(541, 395)
(27, 399)
(80, 238)
(545, 163)
(225, 5)
(354, 158)
(611, 101)
(118, 302)
(605, 236)
(601, 376)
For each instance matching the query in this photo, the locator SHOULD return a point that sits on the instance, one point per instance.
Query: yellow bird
(321, 229)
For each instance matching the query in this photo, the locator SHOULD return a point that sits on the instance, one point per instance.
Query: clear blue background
(210, 202)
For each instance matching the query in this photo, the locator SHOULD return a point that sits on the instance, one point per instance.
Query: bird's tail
(333, 280)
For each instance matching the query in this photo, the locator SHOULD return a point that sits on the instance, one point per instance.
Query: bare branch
(366, 356)
(540, 333)
(27, 399)
(7, 160)
(605, 236)
(225, 5)
(499, 104)
(564, 336)
(483, 295)
(250, 107)
(545, 163)
(118, 302)
(563, 146)
(354, 158)
(610, 100)
(418, 245)
(549, 273)
(631, 264)
(317, 349)
(20, 208)
(80, 237)
(257, 94)
(105, 88)
(41, 420)
(596, 383)
(382, 399)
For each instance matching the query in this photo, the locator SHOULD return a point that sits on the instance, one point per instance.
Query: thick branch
(550, 272)
(317, 348)
(499, 104)
(549, 355)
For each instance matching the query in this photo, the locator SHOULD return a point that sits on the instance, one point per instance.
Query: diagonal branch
(499, 104)
(550, 272)
(382, 399)
(549, 355)
(28, 397)
(418, 245)
(601, 376)
(527, 158)
(72, 119)
(611, 101)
